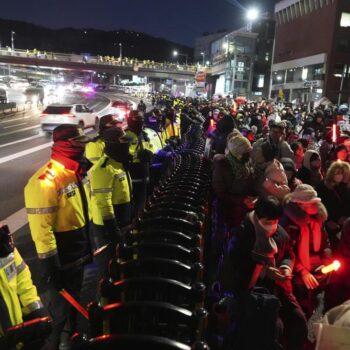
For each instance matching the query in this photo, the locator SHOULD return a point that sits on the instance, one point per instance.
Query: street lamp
(176, 53)
(203, 58)
(252, 15)
(120, 52)
(12, 40)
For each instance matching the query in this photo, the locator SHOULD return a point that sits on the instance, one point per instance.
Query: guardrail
(103, 60)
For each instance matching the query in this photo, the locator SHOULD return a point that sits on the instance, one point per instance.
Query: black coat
(240, 254)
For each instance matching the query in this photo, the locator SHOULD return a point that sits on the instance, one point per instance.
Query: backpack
(255, 321)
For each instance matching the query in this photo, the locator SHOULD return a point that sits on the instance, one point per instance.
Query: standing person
(298, 151)
(111, 189)
(19, 300)
(141, 107)
(56, 200)
(141, 150)
(94, 149)
(303, 219)
(274, 146)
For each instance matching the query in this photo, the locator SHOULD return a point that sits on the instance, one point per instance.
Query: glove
(51, 272)
(145, 156)
(113, 232)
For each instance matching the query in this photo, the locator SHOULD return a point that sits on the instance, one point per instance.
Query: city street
(24, 148)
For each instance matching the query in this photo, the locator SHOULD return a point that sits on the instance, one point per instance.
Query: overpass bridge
(97, 64)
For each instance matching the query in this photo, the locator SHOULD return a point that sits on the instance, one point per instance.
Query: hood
(298, 216)
(307, 156)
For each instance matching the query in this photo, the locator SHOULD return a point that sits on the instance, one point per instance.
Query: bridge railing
(102, 60)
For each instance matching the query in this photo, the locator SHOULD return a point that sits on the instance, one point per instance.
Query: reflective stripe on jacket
(55, 208)
(110, 186)
(17, 289)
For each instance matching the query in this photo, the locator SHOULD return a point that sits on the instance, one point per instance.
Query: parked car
(77, 114)
(121, 110)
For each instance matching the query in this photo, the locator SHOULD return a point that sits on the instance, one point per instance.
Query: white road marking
(20, 130)
(25, 152)
(13, 126)
(22, 140)
(17, 220)
(14, 119)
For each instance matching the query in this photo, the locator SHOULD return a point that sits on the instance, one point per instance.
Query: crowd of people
(280, 211)
(281, 186)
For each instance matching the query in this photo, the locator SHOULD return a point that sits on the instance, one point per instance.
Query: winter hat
(288, 165)
(304, 194)
(275, 172)
(309, 156)
(239, 145)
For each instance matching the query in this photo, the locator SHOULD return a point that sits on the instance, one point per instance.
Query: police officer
(111, 195)
(94, 150)
(141, 107)
(141, 150)
(19, 300)
(56, 198)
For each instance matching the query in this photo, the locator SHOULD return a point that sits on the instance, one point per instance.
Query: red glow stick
(334, 134)
(74, 303)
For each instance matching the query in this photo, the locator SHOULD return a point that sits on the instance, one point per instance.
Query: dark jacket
(230, 191)
(336, 200)
(240, 255)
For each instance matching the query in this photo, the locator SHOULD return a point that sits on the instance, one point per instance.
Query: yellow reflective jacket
(155, 139)
(110, 186)
(17, 289)
(58, 212)
(95, 150)
(138, 143)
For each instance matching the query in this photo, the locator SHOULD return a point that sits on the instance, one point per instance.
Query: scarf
(265, 247)
(304, 242)
(239, 169)
(67, 150)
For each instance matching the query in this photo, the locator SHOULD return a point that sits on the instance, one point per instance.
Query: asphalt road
(23, 149)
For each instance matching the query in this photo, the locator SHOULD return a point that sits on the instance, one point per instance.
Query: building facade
(312, 50)
(241, 60)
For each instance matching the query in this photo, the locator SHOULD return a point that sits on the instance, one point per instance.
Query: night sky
(177, 20)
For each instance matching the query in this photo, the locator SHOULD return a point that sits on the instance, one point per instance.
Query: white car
(77, 114)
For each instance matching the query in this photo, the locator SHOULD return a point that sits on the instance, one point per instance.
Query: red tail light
(43, 114)
(68, 115)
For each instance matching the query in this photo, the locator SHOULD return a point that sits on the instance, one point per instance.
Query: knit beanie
(309, 156)
(239, 145)
(288, 165)
(304, 194)
(275, 172)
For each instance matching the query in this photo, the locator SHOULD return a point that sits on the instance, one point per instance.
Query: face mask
(118, 151)
(245, 157)
(270, 229)
(69, 149)
(316, 164)
(338, 178)
(135, 126)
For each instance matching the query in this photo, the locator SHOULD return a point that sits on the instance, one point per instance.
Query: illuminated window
(261, 81)
(304, 74)
(240, 67)
(345, 19)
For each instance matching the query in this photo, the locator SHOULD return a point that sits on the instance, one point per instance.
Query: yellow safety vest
(54, 205)
(95, 150)
(110, 185)
(136, 144)
(155, 139)
(17, 289)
